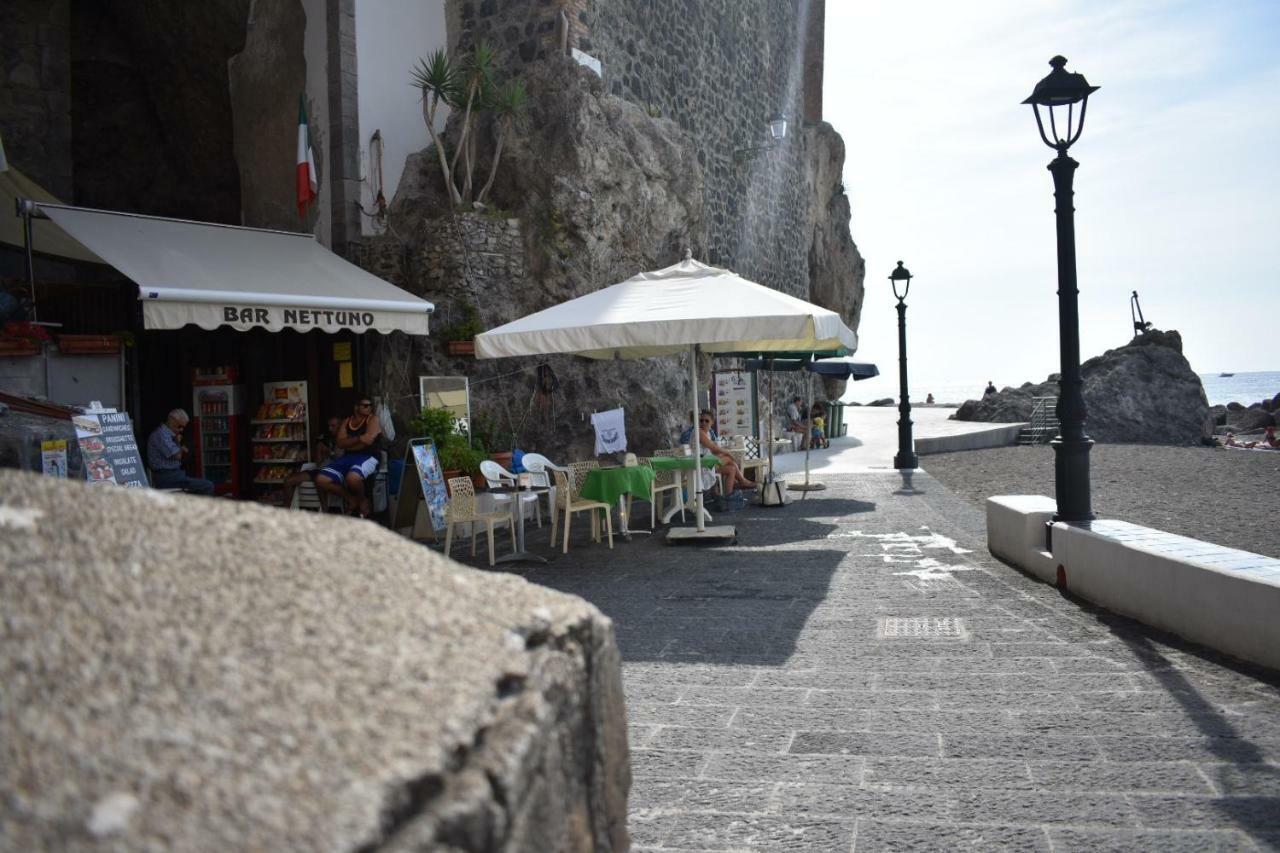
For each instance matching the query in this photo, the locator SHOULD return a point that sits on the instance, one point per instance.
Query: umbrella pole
(696, 440)
(806, 486)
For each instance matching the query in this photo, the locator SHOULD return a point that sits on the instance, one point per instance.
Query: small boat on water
(1226, 374)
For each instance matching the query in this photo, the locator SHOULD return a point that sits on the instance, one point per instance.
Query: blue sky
(1177, 194)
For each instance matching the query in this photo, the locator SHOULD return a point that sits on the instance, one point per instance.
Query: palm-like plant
(475, 77)
(439, 81)
(510, 108)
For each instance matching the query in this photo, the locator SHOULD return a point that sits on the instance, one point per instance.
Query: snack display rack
(218, 428)
(281, 437)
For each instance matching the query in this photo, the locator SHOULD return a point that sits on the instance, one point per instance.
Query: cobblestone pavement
(858, 673)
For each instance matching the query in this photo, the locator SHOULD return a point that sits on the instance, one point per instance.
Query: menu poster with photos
(430, 488)
(53, 457)
(109, 449)
(733, 393)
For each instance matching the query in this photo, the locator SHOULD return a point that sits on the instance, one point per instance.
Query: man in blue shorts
(345, 475)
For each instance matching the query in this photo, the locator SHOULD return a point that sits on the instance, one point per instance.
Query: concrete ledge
(1223, 598)
(1016, 532)
(996, 435)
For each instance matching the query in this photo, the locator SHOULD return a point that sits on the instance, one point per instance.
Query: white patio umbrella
(686, 307)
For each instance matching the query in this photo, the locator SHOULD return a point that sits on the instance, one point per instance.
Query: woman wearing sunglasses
(709, 441)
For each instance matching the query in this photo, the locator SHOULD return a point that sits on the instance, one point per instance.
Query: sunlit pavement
(872, 440)
(859, 673)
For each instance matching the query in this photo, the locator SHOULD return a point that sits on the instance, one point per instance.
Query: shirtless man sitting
(345, 475)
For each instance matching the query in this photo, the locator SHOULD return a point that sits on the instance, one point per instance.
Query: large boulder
(1142, 393)
(1247, 420)
(190, 674)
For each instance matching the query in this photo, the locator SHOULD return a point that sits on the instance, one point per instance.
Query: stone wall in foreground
(182, 673)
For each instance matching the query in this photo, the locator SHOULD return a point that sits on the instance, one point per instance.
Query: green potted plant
(435, 424)
(489, 432)
(459, 337)
(459, 459)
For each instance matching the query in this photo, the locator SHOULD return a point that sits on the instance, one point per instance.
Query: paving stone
(1244, 778)
(686, 738)
(1128, 841)
(881, 772)
(1247, 813)
(725, 832)
(667, 763)
(845, 699)
(811, 800)
(800, 718)
(706, 716)
(701, 795)
(1037, 807)
(980, 699)
(1024, 747)
(862, 743)
(1118, 724)
(914, 837)
(825, 678)
(1181, 777)
(837, 769)
(699, 695)
(724, 676)
(948, 721)
(1212, 749)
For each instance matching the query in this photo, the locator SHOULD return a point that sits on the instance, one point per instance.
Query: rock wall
(620, 174)
(185, 674)
(1142, 393)
(35, 92)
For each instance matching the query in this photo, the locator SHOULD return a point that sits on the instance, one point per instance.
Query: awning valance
(215, 275)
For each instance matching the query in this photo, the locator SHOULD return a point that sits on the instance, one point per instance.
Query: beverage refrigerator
(218, 428)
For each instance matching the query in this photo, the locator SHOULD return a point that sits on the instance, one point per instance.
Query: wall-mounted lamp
(777, 133)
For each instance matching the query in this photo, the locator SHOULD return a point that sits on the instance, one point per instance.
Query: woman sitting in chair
(710, 446)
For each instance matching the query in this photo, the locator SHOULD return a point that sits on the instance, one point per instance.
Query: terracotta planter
(19, 346)
(504, 458)
(460, 347)
(88, 344)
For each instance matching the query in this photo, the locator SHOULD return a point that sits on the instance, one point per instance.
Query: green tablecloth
(609, 484)
(681, 463)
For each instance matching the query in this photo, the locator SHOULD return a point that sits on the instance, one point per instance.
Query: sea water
(1245, 388)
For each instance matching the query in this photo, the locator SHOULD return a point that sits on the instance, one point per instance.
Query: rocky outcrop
(1252, 418)
(599, 189)
(185, 674)
(836, 268)
(1143, 393)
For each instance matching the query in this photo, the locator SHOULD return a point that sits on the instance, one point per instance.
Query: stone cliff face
(597, 190)
(1142, 393)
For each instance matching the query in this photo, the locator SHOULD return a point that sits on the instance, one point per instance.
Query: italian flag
(307, 186)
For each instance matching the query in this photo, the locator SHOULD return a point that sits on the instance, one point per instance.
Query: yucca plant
(475, 77)
(510, 108)
(439, 81)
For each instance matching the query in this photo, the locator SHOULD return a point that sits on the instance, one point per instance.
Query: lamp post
(1059, 92)
(906, 457)
(777, 133)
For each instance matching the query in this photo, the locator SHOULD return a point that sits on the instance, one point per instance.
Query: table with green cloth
(681, 465)
(611, 484)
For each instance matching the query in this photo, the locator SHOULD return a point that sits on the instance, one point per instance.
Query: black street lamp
(1058, 93)
(906, 457)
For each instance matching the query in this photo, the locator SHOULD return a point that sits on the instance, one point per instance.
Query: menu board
(109, 449)
(428, 486)
(733, 393)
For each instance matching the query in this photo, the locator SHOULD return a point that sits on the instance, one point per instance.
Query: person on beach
(991, 389)
(817, 416)
(1269, 439)
(796, 423)
(928, 401)
(711, 446)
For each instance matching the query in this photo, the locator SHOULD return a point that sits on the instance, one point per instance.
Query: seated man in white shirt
(797, 423)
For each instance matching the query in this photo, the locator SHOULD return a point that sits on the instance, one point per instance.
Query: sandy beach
(1228, 497)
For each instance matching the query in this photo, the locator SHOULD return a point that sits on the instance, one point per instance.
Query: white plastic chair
(497, 476)
(538, 467)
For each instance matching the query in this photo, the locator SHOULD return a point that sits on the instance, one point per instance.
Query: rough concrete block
(1016, 532)
(187, 673)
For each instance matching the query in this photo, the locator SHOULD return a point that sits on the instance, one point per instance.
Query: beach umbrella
(687, 307)
(823, 364)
